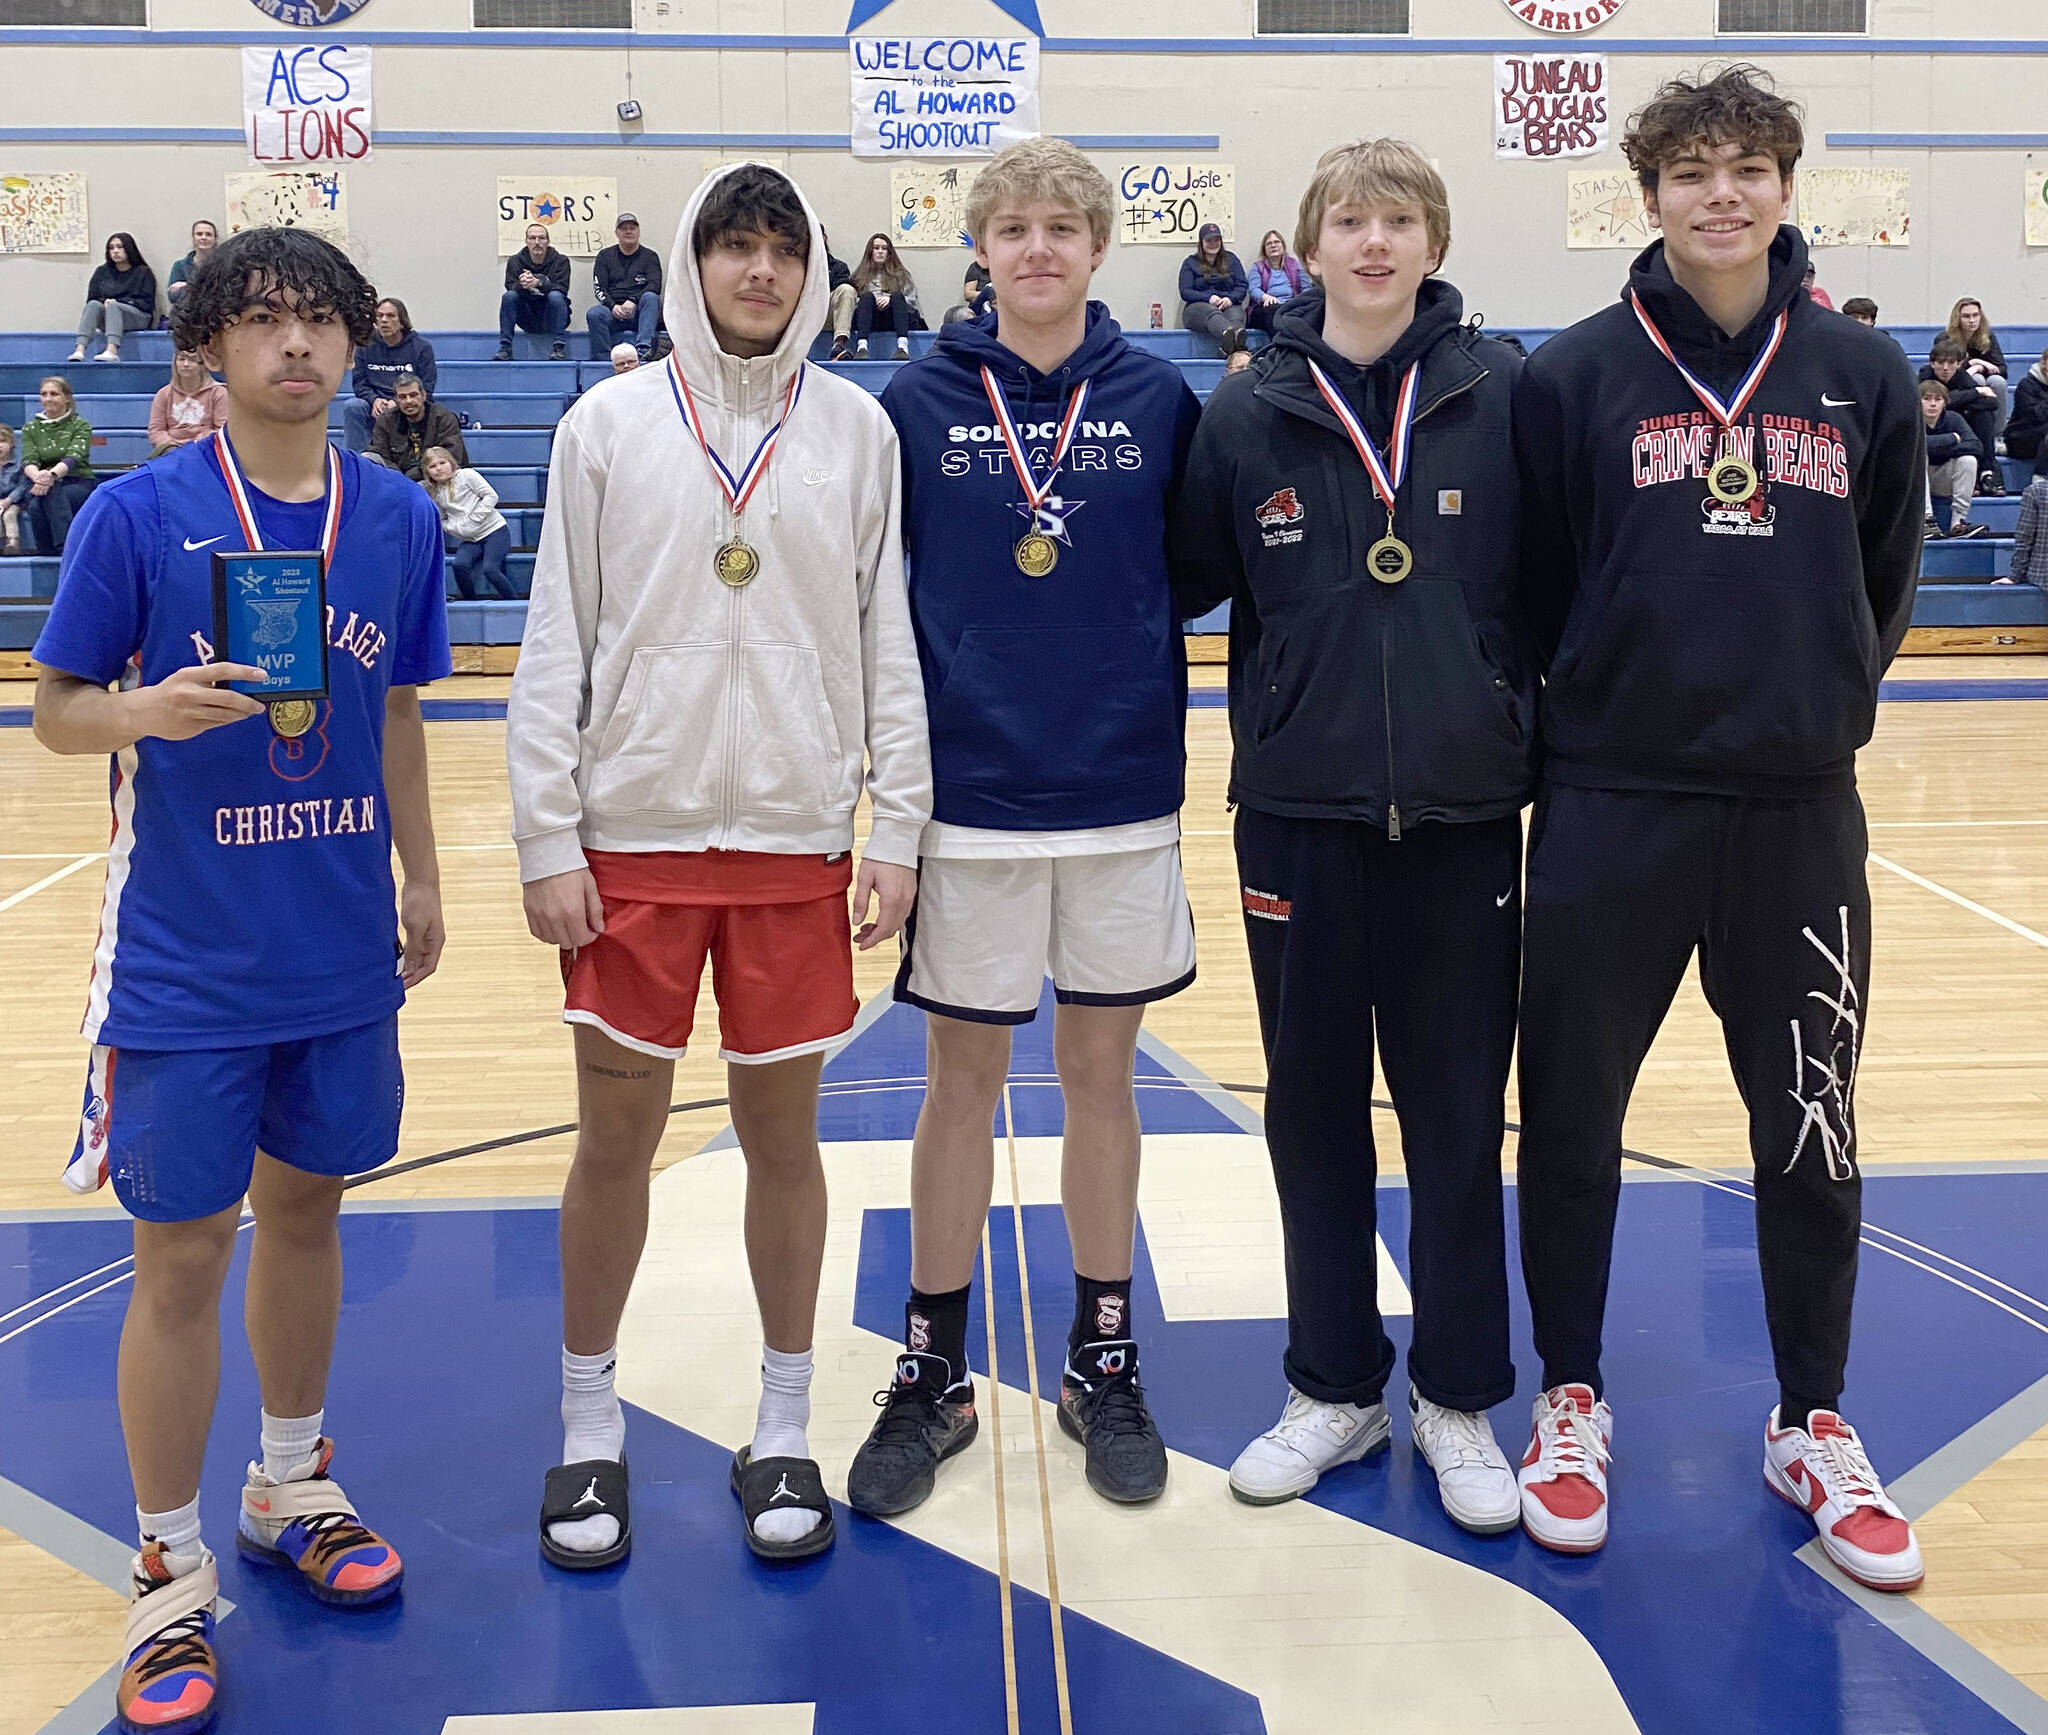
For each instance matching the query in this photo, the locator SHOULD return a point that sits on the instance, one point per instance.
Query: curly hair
(1739, 105)
(753, 199)
(261, 265)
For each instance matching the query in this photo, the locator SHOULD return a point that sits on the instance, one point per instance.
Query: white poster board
(1166, 203)
(579, 212)
(306, 103)
(942, 96)
(928, 204)
(1606, 210)
(2036, 225)
(315, 199)
(1549, 105)
(1856, 207)
(43, 214)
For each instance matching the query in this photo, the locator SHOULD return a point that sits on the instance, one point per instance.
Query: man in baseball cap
(627, 278)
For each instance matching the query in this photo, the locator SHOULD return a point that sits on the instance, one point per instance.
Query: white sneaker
(1564, 1472)
(860, 352)
(1472, 1475)
(903, 349)
(1310, 1437)
(1821, 1468)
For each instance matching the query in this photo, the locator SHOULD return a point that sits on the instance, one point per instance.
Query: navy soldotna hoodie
(1697, 647)
(1056, 703)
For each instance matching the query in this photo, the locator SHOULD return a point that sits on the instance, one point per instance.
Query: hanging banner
(1856, 207)
(943, 96)
(1549, 105)
(1606, 210)
(2036, 227)
(1569, 19)
(306, 102)
(579, 212)
(315, 199)
(1168, 203)
(930, 205)
(43, 214)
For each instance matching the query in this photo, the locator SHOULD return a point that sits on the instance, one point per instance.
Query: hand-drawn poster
(43, 214)
(1169, 202)
(1606, 210)
(1549, 105)
(928, 204)
(315, 199)
(579, 212)
(1856, 207)
(943, 96)
(2037, 202)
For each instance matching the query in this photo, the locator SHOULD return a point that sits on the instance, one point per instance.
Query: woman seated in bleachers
(1985, 360)
(120, 298)
(1276, 278)
(1213, 290)
(886, 293)
(478, 536)
(189, 408)
(56, 457)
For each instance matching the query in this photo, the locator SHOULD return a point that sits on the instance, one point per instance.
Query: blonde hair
(426, 458)
(64, 386)
(1976, 342)
(1048, 169)
(1374, 172)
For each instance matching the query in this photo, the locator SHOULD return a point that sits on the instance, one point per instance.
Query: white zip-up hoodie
(656, 709)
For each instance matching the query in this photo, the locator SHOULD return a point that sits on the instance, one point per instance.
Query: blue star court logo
(309, 14)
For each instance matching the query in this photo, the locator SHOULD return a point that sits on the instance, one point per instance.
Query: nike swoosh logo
(259, 1506)
(811, 481)
(192, 547)
(1836, 403)
(1501, 902)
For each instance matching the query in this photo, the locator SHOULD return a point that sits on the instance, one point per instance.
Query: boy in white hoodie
(718, 628)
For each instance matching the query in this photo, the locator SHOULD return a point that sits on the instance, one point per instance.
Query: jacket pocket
(791, 759)
(663, 746)
(1461, 731)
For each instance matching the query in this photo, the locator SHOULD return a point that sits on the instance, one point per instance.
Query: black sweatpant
(1420, 938)
(1622, 886)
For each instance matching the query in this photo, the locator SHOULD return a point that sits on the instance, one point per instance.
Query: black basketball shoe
(919, 1428)
(1103, 1406)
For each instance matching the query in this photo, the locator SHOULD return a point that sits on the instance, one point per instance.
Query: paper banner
(315, 199)
(1606, 210)
(43, 214)
(1167, 203)
(928, 204)
(307, 103)
(1549, 105)
(942, 96)
(2037, 203)
(1855, 207)
(579, 212)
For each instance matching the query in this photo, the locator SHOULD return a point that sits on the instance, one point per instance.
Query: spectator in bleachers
(1237, 361)
(13, 489)
(205, 237)
(627, 283)
(1861, 309)
(1213, 288)
(1952, 454)
(975, 297)
(396, 350)
(120, 298)
(536, 294)
(1986, 362)
(882, 283)
(189, 408)
(625, 357)
(1972, 398)
(2026, 435)
(478, 536)
(844, 298)
(1814, 293)
(1276, 277)
(56, 457)
(412, 425)
(2030, 540)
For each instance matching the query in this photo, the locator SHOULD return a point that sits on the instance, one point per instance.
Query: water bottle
(1158, 317)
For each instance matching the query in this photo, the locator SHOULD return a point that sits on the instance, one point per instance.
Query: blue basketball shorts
(177, 1130)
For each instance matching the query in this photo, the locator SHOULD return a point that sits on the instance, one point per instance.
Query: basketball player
(718, 627)
(1723, 487)
(1039, 454)
(243, 1010)
(1356, 499)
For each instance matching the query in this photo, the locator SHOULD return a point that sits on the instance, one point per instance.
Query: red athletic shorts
(775, 927)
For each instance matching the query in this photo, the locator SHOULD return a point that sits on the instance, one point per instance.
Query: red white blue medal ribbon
(231, 474)
(737, 489)
(1386, 477)
(1036, 493)
(1726, 414)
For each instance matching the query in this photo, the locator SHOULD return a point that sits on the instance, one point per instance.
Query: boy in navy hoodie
(1040, 452)
(1722, 486)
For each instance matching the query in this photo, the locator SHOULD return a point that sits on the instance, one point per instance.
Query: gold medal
(1732, 480)
(291, 718)
(1391, 559)
(1037, 554)
(736, 564)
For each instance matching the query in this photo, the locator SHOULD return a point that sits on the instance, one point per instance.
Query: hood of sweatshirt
(1285, 381)
(1718, 359)
(973, 344)
(711, 372)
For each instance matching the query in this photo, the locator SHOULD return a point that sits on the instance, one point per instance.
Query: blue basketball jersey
(249, 895)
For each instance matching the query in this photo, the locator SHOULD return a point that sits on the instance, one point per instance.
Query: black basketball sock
(937, 1324)
(1795, 1411)
(1102, 1312)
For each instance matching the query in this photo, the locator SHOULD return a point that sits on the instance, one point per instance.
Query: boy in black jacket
(1952, 453)
(1354, 494)
(1721, 484)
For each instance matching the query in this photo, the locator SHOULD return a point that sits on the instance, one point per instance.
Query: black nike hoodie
(1691, 646)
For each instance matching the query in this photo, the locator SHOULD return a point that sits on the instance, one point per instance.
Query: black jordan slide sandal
(782, 1484)
(585, 1490)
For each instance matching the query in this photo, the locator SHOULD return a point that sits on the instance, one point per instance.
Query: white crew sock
(593, 1426)
(289, 1443)
(178, 1532)
(779, 1426)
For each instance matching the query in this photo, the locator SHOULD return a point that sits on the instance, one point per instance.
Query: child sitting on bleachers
(13, 488)
(475, 528)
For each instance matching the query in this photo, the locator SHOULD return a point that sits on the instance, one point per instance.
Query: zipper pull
(1393, 822)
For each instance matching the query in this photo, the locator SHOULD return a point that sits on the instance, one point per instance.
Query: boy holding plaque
(718, 632)
(1723, 487)
(1354, 496)
(1040, 453)
(242, 626)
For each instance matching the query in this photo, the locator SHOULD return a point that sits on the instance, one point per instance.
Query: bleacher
(516, 405)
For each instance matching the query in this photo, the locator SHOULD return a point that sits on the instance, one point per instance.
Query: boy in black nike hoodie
(1722, 486)
(1354, 494)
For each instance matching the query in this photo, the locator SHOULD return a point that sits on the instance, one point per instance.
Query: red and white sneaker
(1821, 1468)
(1564, 1472)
